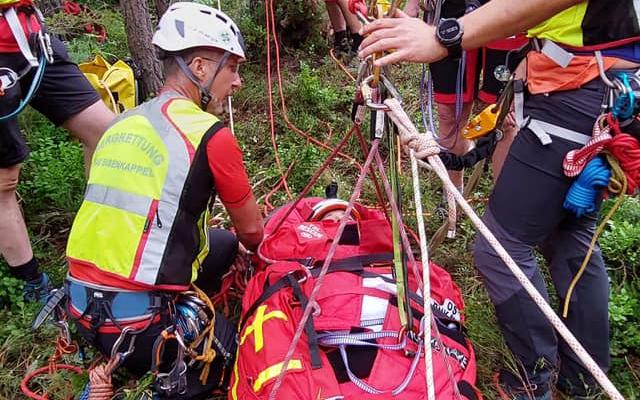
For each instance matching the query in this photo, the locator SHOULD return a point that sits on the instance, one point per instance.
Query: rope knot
(423, 145)
(208, 356)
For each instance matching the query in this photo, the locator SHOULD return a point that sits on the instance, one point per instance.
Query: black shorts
(63, 93)
(485, 60)
(482, 61)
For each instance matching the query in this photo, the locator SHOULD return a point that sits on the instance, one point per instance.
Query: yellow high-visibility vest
(593, 24)
(142, 220)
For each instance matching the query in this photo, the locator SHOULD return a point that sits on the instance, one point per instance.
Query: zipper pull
(158, 222)
(147, 226)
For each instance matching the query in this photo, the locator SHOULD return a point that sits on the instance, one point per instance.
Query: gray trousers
(525, 212)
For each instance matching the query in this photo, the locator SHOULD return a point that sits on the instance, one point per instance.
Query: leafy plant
(624, 310)
(10, 287)
(620, 242)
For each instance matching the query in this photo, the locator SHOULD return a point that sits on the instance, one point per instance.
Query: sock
(338, 37)
(356, 40)
(29, 271)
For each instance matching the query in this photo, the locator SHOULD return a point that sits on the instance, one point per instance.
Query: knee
(89, 125)
(8, 182)
(223, 241)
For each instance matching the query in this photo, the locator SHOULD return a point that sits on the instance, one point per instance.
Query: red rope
(626, 149)
(24, 385)
(272, 35)
(272, 120)
(268, 207)
(316, 175)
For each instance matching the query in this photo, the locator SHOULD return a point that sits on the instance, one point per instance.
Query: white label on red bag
(448, 308)
(310, 232)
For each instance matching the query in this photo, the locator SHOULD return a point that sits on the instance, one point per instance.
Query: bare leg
(338, 22)
(454, 143)
(88, 126)
(510, 131)
(353, 23)
(14, 240)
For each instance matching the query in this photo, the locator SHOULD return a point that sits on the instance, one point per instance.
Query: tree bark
(139, 34)
(161, 7)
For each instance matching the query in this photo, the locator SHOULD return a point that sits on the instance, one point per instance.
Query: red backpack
(352, 346)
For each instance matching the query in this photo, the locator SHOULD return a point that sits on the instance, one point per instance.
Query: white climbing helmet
(187, 25)
(326, 206)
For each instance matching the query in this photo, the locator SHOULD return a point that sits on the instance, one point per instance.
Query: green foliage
(84, 46)
(22, 350)
(298, 23)
(54, 160)
(625, 320)
(10, 287)
(620, 242)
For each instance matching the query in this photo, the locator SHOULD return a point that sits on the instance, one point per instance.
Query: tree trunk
(161, 7)
(139, 33)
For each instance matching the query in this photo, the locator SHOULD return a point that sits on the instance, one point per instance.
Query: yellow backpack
(115, 83)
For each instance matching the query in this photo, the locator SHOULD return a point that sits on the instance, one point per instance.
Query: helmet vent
(221, 18)
(206, 12)
(180, 27)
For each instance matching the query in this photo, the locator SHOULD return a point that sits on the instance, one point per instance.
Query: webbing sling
(289, 280)
(18, 33)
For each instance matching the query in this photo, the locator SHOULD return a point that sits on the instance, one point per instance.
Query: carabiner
(116, 345)
(367, 93)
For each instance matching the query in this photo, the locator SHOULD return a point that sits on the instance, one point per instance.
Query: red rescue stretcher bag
(353, 346)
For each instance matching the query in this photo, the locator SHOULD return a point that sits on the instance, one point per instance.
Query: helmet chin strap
(205, 94)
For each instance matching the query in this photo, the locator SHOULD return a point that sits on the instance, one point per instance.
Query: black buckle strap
(309, 326)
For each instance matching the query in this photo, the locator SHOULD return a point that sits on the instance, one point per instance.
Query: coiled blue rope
(86, 392)
(583, 193)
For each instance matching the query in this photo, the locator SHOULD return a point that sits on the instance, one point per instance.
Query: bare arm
(499, 19)
(247, 221)
(415, 41)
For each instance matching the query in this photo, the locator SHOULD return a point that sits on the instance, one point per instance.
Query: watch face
(449, 29)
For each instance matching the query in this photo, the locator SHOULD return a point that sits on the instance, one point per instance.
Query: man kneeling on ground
(140, 237)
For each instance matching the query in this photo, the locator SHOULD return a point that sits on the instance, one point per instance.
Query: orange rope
(341, 65)
(272, 35)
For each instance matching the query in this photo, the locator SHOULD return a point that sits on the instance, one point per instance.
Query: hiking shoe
(518, 391)
(37, 290)
(584, 391)
(342, 45)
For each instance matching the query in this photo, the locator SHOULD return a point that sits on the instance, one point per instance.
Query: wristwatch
(449, 33)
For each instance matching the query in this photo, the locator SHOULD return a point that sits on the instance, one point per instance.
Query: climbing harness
(38, 43)
(193, 328)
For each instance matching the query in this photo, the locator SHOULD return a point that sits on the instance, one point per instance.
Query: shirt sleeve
(227, 166)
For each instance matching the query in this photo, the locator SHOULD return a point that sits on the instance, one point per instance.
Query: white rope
(423, 146)
(426, 283)
(439, 168)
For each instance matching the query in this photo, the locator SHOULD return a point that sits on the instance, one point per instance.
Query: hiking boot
(37, 290)
(342, 44)
(583, 391)
(509, 388)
